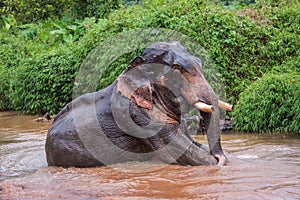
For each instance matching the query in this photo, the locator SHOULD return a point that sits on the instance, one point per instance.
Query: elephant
(138, 116)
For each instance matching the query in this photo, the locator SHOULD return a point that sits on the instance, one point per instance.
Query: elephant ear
(135, 85)
(143, 96)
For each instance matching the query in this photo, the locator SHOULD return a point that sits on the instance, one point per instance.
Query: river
(260, 167)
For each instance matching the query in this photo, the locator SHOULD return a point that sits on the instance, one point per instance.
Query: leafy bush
(242, 47)
(270, 104)
(4, 87)
(287, 18)
(38, 65)
(68, 31)
(44, 84)
(28, 11)
(7, 22)
(289, 66)
(100, 8)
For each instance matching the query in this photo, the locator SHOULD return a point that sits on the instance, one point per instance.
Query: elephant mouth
(209, 108)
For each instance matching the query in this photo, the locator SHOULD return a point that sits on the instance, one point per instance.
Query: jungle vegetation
(254, 44)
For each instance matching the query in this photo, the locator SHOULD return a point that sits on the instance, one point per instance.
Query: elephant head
(166, 82)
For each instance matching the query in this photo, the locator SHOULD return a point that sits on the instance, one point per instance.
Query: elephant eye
(185, 69)
(189, 76)
(192, 71)
(192, 66)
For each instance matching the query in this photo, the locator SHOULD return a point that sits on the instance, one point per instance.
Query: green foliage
(69, 31)
(243, 49)
(234, 4)
(271, 104)
(28, 11)
(38, 62)
(289, 66)
(38, 65)
(45, 83)
(280, 14)
(287, 18)
(275, 3)
(8, 22)
(4, 87)
(100, 8)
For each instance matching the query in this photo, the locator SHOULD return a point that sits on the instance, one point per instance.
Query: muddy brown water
(261, 167)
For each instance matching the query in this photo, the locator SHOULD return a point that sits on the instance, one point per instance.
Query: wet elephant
(138, 117)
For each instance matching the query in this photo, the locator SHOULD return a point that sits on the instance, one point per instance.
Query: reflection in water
(261, 167)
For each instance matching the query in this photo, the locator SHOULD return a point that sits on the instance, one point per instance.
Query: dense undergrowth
(271, 104)
(40, 56)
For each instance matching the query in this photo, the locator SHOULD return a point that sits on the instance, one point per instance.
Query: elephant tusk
(204, 107)
(225, 106)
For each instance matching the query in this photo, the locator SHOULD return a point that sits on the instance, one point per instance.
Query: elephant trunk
(211, 116)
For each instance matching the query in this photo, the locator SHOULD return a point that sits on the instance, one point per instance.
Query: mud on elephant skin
(138, 117)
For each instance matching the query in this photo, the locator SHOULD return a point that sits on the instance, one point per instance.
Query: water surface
(261, 167)
(21, 144)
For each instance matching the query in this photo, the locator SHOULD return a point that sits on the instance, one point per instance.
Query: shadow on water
(261, 167)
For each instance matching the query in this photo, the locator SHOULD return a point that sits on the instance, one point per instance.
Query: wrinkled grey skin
(154, 101)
